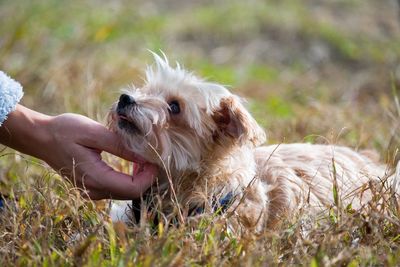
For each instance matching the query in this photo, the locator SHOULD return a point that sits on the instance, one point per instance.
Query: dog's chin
(128, 126)
(133, 137)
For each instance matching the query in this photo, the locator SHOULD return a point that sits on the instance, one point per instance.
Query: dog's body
(207, 146)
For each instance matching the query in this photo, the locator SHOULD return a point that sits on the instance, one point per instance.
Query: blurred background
(311, 70)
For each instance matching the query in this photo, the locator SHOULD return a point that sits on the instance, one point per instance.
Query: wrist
(26, 130)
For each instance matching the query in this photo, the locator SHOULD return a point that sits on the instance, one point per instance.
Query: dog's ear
(235, 122)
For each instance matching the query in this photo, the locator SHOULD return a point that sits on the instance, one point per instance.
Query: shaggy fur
(212, 148)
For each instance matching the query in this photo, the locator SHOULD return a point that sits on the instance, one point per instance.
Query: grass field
(311, 70)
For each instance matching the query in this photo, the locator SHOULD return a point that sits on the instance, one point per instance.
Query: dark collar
(2, 200)
(219, 206)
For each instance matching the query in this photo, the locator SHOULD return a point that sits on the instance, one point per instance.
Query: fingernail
(136, 168)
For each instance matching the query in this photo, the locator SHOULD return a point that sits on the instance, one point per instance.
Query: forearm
(24, 131)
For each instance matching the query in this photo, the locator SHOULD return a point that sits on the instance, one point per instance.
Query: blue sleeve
(10, 94)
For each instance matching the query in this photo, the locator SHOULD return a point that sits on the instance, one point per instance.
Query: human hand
(72, 145)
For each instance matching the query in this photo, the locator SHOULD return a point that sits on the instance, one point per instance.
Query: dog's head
(179, 121)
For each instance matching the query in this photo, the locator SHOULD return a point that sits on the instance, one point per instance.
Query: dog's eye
(174, 107)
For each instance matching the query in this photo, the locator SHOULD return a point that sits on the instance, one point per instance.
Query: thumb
(103, 139)
(122, 186)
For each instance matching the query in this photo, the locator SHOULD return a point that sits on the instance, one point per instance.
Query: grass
(311, 70)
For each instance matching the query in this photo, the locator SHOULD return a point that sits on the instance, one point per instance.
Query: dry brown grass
(312, 71)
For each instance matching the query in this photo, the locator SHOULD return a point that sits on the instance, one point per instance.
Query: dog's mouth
(127, 124)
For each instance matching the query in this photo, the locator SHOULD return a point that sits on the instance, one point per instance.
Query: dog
(209, 150)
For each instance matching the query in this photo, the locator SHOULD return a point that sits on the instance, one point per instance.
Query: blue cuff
(10, 94)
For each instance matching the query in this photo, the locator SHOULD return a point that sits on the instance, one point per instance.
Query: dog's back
(318, 176)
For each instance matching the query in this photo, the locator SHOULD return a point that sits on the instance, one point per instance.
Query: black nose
(125, 100)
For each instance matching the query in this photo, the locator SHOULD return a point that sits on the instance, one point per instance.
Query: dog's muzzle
(125, 104)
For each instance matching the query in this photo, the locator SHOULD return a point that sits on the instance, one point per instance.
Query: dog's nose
(125, 100)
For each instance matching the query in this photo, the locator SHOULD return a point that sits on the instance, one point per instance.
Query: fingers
(94, 195)
(101, 181)
(121, 186)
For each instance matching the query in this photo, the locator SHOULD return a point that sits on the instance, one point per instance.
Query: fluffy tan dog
(208, 147)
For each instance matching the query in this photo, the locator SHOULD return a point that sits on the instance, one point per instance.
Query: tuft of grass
(43, 226)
